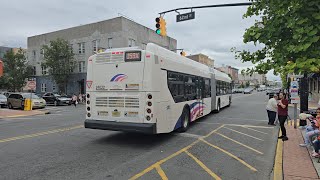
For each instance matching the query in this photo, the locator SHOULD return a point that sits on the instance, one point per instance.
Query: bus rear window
(132, 56)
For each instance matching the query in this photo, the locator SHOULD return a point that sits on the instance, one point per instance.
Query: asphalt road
(233, 144)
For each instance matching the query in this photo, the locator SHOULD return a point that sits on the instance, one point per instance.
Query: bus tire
(185, 120)
(229, 102)
(218, 106)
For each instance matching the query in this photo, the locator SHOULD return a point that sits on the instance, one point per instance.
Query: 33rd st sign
(186, 16)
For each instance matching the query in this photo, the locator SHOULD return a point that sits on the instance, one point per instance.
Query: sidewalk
(12, 113)
(311, 105)
(297, 161)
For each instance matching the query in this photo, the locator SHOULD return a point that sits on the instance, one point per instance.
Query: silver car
(3, 100)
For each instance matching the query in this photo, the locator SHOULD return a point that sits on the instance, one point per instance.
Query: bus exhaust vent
(117, 102)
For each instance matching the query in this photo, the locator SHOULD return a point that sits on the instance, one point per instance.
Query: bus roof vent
(103, 57)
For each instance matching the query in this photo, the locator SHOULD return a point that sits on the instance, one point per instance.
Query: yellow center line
(278, 161)
(212, 174)
(161, 173)
(254, 130)
(148, 169)
(239, 143)
(244, 134)
(40, 134)
(229, 154)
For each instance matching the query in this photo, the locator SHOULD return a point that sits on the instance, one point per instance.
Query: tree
(289, 34)
(247, 84)
(16, 70)
(59, 58)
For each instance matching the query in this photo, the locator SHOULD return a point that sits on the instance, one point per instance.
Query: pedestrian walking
(74, 100)
(80, 97)
(282, 115)
(272, 107)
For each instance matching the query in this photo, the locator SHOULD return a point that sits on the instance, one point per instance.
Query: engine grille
(117, 102)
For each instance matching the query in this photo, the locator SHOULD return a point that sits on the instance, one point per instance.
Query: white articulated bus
(151, 91)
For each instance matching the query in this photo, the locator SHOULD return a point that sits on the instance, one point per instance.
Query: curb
(278, 162)
(14, 116)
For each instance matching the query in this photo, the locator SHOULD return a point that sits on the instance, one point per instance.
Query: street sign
(296, 76)
(31, 85)
(294, 95)
(186, 16)
(89, 84)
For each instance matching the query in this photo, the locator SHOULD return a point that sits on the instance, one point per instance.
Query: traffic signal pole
(208, 6)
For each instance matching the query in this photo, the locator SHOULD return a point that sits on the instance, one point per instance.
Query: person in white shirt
(272, 107)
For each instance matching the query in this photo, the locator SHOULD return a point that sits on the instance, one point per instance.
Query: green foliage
(289, 32)
(247, 84)
(16, 70)
(284, 80)
(59, 58)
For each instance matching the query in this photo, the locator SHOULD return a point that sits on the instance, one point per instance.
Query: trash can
(27, 105)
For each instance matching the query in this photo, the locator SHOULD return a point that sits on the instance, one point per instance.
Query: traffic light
(182, 53)
(161, 26)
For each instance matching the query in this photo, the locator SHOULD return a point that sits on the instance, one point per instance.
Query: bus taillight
(149, 103)
(149, 111)
(149, 96)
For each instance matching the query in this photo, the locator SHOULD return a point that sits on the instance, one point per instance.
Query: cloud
(213, 31)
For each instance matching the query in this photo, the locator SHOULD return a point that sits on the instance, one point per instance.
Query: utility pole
(304, 92)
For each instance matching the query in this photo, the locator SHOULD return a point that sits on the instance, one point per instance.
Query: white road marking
(240, 125)
(196, 136)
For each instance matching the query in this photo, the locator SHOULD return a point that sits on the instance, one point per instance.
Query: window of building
(53, 88)
(81, 48)
(43, 87)
(95, 45)
(81, 66)
(34, 72)
(71, 48)
(131, 42)
(42, 53)
(43, 70)
(109, 43)
(34, 55)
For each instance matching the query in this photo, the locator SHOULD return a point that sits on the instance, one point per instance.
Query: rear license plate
(115, 114)
(67, 101)
(103, 113)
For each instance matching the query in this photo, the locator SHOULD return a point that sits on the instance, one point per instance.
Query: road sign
(296, 76)
(186, 16)
(31, 85)
(294, 95)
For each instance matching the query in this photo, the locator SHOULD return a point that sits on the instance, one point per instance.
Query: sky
(213, 32)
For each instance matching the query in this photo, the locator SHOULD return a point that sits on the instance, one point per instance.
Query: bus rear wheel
(218, 107)
(185, 120)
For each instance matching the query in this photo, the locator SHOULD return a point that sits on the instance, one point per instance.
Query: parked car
(248, 91)
(56, 99)
(16, 100)
(3, 100)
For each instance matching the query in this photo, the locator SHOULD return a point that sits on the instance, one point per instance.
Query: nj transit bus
(151, 91)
